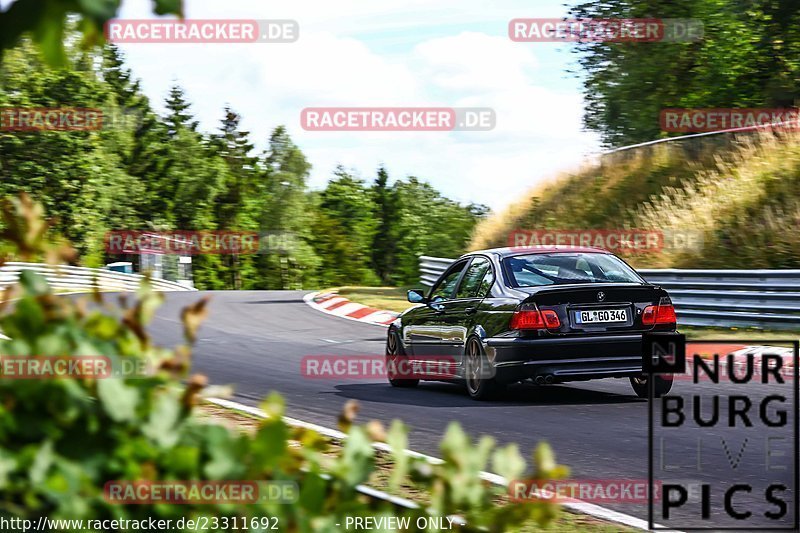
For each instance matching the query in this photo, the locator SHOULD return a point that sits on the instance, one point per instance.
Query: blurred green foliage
(46, 21)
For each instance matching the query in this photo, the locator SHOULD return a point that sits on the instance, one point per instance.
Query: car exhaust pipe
(548, 379)
(539, 380)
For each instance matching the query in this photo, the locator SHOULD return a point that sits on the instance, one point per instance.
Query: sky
(411, 53)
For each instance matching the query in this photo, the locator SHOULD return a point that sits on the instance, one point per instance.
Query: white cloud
(475, 63)
(341, 60)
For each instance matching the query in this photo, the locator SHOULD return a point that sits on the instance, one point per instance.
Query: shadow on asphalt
(433, 394)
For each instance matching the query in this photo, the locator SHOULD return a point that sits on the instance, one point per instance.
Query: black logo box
(665, 353)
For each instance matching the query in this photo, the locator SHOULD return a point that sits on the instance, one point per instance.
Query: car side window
(486, 283)
(446, 287)
(471, 284)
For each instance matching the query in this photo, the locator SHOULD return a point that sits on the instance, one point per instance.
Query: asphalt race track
(254, 340)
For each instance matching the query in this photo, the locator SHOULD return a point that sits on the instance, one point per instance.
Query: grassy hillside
(740, 194)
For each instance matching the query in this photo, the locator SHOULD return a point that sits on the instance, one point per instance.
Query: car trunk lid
(597, 307)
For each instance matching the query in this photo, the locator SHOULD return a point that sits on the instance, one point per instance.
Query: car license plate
(599, 316)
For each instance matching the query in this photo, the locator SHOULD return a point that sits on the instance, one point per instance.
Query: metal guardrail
(767, 299)
(732, 298)
(430, 268)
(80, 279)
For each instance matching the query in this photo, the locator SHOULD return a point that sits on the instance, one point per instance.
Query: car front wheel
(662, 385)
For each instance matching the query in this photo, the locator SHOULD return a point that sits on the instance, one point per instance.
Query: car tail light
(527, 319)
(551, 319)
(532, 318)
(666, 314)
(649, 315)
(663, 313)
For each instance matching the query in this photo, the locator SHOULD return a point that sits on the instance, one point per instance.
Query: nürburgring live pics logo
(723, 446)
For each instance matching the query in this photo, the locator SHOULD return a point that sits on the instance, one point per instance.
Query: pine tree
(234, 207)
(148, 157)
(234, 147)
(179, 115)
(118, 76)
(383, 245)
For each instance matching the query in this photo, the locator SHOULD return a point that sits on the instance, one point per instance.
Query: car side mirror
(416, 296)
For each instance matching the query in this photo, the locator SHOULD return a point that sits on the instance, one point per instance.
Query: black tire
(662, 385)
(475, 369)
(394, 351)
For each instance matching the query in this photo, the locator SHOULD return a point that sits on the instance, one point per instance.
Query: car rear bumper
(566, 359)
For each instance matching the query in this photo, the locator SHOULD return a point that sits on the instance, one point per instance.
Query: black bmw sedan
(549, 314)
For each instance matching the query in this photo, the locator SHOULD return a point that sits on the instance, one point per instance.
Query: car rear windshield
(561, 268)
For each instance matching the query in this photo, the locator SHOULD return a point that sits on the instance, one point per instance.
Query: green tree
(179, 115)
(235, 205)
(144, 171)
(383, 244)
(429, 224)
(286, 259)
(345, 228)
(76, 174)
(119, 77)
(149, 155)
(749, 56)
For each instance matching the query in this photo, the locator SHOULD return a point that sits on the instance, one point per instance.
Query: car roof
(526, 250)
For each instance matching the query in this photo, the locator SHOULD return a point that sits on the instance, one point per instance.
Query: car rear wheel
(662, 385)
(395, 355)
(476, 370)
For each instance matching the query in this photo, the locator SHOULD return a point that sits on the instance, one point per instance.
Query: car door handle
(470, 310)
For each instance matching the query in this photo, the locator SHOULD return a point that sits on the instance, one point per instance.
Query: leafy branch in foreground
(46, 22)
(63, 439)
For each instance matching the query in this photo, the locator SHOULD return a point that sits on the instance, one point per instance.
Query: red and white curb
(333, 304)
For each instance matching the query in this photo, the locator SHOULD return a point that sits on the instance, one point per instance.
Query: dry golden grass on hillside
(746, 207)
(740, 194)
(493, 231)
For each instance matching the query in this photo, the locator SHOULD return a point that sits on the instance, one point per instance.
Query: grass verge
(567, 522)
(384, 298)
